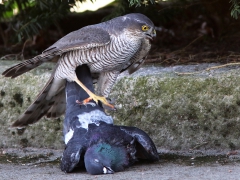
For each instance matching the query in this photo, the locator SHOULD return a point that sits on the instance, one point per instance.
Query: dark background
(189, 32)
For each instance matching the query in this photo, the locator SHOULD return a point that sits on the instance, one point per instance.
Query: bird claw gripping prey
(93, 141)
(87, 101)
(102, 99)
(105, 102)
(107, 48)
(94, 97)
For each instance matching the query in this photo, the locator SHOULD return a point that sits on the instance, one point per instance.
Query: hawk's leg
(92, 96)
(105, 82)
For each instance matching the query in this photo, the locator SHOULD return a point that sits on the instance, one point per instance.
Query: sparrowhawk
(108, 48)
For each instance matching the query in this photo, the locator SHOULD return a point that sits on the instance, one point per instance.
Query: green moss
(12, 104)
(21, 131)
(28, 99)
(2, 93)
(232, 146)
(24, 142)
(18, 97)
(178, 112)
(187, 109)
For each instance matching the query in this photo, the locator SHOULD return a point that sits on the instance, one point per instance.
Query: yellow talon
(94, 97)
(99, 98)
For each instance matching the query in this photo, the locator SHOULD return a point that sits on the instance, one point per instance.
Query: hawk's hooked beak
(152, 34)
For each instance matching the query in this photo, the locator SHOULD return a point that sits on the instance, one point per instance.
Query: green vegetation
(27, 17)
(179, 112)
(235, 9)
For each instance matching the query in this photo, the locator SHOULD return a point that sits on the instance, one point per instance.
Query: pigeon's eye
(145, 28)
(96, 160)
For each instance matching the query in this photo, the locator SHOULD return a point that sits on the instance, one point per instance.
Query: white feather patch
(87, 118)
(93, 117)
(68, 136)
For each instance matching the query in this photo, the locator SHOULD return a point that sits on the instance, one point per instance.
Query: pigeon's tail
(78, 114)
(74, 91)
(51, 104)
(27, 65)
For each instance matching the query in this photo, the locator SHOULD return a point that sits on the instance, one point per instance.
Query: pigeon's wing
(74, 150)
(82, 39)
(145, 147)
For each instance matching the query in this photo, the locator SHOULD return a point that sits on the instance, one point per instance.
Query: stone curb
(198, 112)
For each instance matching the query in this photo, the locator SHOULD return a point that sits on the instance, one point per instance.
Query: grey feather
(85, 38)
(52, 107)
(82, 39)
(107, 48)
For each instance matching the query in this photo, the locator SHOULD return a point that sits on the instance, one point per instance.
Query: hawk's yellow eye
(145, 28)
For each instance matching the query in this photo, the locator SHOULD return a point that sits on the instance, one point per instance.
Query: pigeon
(93, 141)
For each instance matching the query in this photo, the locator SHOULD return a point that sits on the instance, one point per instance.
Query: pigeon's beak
(108, 170)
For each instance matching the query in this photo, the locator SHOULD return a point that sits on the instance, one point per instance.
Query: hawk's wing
(85, 38)
(135, 66)
(82, 39)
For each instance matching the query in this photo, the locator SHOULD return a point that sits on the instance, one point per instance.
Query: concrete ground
(43, 164)
(211, 123)
(161, 170)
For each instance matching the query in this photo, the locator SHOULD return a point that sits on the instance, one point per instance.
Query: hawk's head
(135, 23)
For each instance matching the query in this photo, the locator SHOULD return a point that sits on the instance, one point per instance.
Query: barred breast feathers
(112, 56)
(138, 58)
(115, 55)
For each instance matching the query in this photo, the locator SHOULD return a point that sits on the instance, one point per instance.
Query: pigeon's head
(103, 158)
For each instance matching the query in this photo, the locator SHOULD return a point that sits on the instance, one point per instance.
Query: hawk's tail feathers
(51, 107)
(26, 66)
